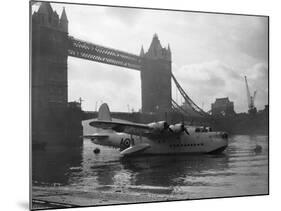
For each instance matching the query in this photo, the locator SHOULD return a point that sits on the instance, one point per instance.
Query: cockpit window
(203, 129)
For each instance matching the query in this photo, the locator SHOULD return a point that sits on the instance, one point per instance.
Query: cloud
(253, 40)
(126, 16)
(205, 82)
(97, 83)
(211, 53)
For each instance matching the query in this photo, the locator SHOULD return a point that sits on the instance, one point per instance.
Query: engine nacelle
(159, 126)
(177, 128)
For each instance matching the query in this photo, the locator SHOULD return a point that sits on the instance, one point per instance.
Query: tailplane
(104, 113)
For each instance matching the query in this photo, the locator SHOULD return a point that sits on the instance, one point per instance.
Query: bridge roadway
(93, 52)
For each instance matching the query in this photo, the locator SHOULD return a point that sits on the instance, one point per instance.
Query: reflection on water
(240, 170)
(54, 164)
(171, 170)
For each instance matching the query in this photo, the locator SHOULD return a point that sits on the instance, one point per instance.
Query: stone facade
(223, 107)
(49, 74)
(156, 78)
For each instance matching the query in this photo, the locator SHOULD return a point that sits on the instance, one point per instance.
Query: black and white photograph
(135, 105)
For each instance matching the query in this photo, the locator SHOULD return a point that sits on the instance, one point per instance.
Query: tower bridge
(51, 45)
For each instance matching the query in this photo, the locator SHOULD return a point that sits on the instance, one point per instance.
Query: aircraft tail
(104, 113)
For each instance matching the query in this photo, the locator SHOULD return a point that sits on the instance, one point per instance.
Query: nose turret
(224, 135)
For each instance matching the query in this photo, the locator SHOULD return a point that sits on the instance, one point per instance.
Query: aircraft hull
(183, 144)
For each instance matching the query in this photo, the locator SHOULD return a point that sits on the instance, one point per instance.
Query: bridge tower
(156, 77)
(49, 75)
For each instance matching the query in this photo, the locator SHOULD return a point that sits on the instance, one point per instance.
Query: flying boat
(155, 138)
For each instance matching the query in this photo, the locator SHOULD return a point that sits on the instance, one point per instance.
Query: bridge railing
(90, 51)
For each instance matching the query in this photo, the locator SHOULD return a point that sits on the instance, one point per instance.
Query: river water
(240, 170)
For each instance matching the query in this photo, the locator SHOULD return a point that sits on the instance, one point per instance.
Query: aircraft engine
(178, 128)
(160, 126)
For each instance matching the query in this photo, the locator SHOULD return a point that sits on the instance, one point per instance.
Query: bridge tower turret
(156, 77)
(49, 74)
(64, 21)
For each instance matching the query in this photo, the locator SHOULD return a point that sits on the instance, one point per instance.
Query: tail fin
(104, 113)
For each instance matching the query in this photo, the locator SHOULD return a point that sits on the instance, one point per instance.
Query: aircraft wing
(130, 128)
(133, 129)
(93, 136)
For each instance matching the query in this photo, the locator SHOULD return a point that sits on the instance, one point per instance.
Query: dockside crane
(251, 99)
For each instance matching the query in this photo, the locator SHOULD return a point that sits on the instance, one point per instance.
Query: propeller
(183, 127)
(178, 128)
(185, 130)
(166, 125)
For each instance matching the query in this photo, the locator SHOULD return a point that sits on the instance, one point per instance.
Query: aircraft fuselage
(195, 142)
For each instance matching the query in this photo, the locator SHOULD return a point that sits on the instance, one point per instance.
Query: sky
(211, 54)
